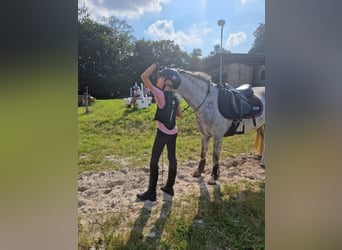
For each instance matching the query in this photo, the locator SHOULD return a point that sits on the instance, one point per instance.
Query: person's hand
(157, 65)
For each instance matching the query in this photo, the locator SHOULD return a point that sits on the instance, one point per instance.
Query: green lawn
(111, 129)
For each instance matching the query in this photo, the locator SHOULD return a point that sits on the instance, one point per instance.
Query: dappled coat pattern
(201, 94)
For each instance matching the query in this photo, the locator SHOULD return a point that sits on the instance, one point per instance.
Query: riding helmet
(172, 75)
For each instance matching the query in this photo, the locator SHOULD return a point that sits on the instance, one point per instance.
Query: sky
(189, 23)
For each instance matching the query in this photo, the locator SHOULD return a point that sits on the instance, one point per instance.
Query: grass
(111, 131)
(230, 216)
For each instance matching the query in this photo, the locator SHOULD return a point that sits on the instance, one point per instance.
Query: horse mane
(199, 75)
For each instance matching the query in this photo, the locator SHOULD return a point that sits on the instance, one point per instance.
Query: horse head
(194, 87)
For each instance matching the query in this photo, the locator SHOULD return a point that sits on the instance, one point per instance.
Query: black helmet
(172, 75)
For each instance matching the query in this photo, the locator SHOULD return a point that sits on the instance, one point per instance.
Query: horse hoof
(212, 181)
(257, 157)
(196, 174)
(262, 163)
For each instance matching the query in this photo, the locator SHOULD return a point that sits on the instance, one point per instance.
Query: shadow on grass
(134, 110)
(136, 235)
(230, 219)
(152, 240)
(129, 111)
(197, 231)
(85, 113)
(154, 237)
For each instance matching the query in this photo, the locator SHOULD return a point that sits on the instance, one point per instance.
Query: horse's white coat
(194, 90)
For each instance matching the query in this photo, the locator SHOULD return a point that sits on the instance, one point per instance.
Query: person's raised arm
(145, 77)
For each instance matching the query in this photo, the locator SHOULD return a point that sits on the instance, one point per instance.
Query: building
(237, 69)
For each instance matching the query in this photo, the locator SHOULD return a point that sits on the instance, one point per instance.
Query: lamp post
(221, 23)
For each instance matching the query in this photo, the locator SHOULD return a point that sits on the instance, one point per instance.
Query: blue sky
(189, 23)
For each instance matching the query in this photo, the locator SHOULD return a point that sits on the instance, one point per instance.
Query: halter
(208, 91)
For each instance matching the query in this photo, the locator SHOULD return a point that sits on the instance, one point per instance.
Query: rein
(186, 108)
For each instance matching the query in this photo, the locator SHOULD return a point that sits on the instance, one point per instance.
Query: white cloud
(246, 1)
(163, 29)
(121, 8)
(235, 39)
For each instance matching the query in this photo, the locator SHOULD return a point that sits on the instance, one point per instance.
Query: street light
(221, 23)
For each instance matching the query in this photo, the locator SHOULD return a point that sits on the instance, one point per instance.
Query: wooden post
(86, 100)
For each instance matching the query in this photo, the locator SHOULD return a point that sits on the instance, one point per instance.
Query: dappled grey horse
(221, 110)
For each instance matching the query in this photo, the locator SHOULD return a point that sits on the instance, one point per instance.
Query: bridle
(195, 110)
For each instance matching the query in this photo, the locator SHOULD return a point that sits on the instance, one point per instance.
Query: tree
(103, 52)
(194, 58)
(110, 59)
(124, 43)
(83, 14)
(217, 50)
(164, 51)
(94, 58)
(259, 41)
(196, 53)
(121, 35)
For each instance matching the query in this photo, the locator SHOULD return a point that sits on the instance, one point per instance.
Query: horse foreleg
(204, 150)
(215, 174)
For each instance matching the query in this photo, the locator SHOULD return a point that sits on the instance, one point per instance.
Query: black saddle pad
(235, 105)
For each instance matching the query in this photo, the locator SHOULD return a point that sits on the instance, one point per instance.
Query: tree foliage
(103, 52)
(258, 45)
(166, 52)
(194, 58)
(217, 50)
(110, 59)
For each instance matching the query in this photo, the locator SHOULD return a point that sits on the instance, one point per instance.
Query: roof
(214, 62)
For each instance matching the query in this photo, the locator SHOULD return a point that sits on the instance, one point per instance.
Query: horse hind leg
(259, 145)
(215, 174)
(201, 164)
(262, 161)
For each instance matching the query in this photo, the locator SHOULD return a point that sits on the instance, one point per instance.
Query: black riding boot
(168, 188)
(150, 194)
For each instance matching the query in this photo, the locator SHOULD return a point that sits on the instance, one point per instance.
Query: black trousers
(160, 141)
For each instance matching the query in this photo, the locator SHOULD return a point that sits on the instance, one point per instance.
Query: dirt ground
(110, 192)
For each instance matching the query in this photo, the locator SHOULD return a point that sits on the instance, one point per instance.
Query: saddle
(237, 104)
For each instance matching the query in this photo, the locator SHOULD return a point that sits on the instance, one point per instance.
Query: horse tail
(259, 141)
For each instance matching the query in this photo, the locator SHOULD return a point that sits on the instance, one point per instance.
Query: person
(136, 95)
(147, 92)
(167, 109)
